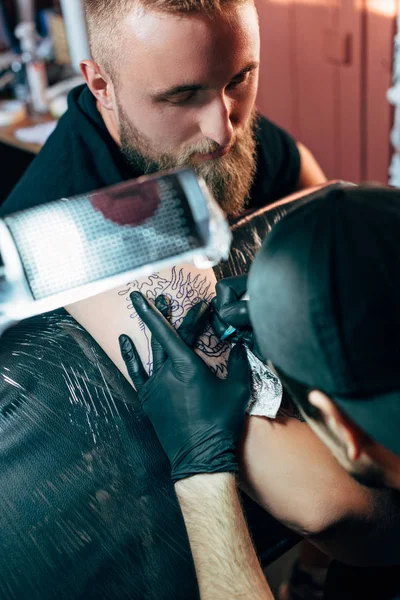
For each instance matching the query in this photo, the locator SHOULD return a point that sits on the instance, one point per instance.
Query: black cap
(325, 303)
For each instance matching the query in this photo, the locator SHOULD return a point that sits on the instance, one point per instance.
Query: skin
(167, 108)
(362, 457)
(208, 122)
(171, 122)
(224, 557)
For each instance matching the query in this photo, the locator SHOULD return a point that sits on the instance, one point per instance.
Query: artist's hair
(104, 16)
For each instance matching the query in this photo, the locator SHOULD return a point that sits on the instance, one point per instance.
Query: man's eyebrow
(178, 89)
(195, 87)
(251, 67)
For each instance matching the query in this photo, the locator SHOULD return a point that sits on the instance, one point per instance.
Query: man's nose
(216, 123)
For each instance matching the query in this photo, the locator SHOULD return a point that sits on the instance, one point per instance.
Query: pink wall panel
(276, 94)
(380, 34)
(349, 152)
(326, 67)
(316, 82)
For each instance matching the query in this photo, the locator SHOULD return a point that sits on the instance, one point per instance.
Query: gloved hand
(230, 310)
(197, 417)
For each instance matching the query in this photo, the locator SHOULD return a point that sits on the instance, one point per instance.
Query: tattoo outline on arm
(184, 290)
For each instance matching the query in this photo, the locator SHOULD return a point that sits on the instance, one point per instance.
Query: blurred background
(327, 68)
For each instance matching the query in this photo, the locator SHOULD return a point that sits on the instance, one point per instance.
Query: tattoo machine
(61, 252)
(231, 329)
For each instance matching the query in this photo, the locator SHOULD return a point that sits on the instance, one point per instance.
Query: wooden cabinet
(326, 67)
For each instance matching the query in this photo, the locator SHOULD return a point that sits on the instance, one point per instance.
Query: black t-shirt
(80, 157)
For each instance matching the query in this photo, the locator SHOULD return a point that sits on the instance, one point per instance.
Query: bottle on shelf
(34, 68)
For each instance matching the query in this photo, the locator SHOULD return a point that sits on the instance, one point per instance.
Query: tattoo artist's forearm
(225, 560)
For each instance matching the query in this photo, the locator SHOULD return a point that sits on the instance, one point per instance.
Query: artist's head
(176, 82)
(324, 303)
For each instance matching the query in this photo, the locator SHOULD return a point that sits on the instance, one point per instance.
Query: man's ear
(343, 429)
(98, 82)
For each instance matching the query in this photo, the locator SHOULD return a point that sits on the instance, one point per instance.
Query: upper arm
(111, 314)
(278, 163)
(311, 173)
(288, 471)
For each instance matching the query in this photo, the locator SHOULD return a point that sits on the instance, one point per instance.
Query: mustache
(209, 146)
(229, 177)
(204, 147)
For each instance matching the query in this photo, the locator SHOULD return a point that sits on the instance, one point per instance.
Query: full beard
(229, 178)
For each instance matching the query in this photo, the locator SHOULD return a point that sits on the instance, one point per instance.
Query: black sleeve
(278, 164)
(79, 157)
(39, 184)
(50, 175)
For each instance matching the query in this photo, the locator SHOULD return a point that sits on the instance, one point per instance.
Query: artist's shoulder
(262, 123)
(267, 130)
(63, 168)
(278, 158)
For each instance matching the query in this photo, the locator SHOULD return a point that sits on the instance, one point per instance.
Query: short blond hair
(103, 17)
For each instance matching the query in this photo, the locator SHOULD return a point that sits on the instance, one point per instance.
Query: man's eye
(182, 98)
(242, 79)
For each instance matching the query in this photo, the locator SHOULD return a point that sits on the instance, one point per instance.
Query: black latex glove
(193, 325)
(197, 417)
(230, 310)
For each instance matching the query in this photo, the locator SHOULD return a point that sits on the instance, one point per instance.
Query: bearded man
(171, 83)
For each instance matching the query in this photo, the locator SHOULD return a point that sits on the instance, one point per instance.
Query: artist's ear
(98, 82)
(342, 428)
